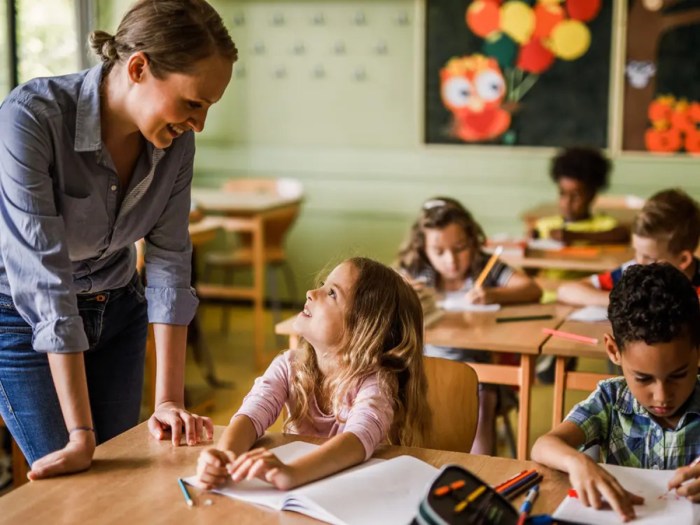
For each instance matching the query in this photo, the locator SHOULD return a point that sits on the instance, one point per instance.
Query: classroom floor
(233, 355)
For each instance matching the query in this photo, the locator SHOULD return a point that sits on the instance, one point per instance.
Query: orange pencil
(482, 276)
(514, 480)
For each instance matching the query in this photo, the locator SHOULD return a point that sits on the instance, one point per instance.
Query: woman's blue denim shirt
(65, 230)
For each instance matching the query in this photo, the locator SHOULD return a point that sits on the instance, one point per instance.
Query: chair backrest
(454, 401)
(275, 228)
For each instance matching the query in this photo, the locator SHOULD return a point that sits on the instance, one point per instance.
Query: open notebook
(659, 508)
(376, 491)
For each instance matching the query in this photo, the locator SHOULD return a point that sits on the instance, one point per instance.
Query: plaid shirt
(627, 434)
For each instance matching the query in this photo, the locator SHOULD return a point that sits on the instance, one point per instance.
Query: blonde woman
(90, 163)
(358, 379)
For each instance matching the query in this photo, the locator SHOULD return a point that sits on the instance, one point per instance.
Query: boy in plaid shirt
(650, 418)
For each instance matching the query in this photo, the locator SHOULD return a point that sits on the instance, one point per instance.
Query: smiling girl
(90, 163)
(357, 379)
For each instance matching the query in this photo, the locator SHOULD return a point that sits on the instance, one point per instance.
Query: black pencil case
(489, 508)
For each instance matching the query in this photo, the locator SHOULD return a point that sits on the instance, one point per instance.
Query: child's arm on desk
(558, 449)
(519, 289)
(214, 464)
(582, 293)
(338, 453)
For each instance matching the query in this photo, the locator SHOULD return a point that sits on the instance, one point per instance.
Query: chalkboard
(567, 105)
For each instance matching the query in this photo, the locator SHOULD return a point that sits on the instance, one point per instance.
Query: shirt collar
(88, 132)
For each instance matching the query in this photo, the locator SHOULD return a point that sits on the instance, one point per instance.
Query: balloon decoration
(674, 125)
(526, 37)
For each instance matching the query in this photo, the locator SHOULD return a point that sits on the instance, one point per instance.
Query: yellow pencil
(482, 276)
(469, 499)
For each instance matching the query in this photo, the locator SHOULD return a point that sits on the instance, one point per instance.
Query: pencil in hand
(484, 273)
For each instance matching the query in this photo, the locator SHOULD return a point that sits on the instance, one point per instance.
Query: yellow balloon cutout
(569, 39)
(517, 21)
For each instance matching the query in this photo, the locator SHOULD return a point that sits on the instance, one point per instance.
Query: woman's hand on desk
(593, 484)
(169, 418)
(76, 456)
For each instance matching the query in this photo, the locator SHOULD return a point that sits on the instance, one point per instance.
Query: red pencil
(515, 480)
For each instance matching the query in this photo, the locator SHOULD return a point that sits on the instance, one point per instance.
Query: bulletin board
(662, 78)
(517, 73)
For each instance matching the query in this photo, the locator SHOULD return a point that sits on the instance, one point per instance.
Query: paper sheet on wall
(659, 508)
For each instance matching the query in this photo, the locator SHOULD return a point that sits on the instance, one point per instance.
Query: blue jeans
(116, 324)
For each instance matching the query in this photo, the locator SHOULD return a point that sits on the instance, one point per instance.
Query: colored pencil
(484, 273)
(504, 486)
(519, 484)
(509, 479)
(185, 492)
(514, 492)
(524, 318)
(470, 499)
(573, 337)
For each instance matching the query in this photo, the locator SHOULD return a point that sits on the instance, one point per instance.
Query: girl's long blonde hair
(383, 335)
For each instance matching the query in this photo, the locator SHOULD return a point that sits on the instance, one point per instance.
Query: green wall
(355, 143)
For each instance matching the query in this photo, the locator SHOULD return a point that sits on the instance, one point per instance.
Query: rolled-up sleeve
(32, 233)
(370, 417)
(265, 401)
(171, 298)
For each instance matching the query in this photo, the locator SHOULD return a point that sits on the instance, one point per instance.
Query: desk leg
(559, 390)
(259, 292)
(526, 375)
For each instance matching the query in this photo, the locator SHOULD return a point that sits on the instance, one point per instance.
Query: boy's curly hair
(654, 303)
(587, 165)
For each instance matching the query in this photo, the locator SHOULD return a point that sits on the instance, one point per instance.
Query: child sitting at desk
(650, 418)
(445, 251)
(666, 229)
(580, 174)
(357, 378)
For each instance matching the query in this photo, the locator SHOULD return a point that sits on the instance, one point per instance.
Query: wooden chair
(454, 401)
(275, 231)
(19, 464)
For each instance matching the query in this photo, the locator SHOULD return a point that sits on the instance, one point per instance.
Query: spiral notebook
(376, 491)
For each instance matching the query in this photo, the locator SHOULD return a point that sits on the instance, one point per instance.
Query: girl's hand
(76, 456)
(262, 464)
(593, 483)
(170, 417)
(213, 467)
(477, 295)
(689, 490)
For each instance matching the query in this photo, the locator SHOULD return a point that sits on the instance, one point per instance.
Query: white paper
(549, 245)
(658, 508)
(589, 314)
(389, 490)
(460, 304)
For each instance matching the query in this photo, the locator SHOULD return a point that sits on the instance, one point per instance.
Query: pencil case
(457, 497)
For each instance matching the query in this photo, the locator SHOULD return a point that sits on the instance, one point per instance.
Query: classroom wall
(329, 92)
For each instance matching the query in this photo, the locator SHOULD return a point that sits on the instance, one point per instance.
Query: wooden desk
(565, 348)
(591, 259)
(133, 480)
(245, 211)
(479, 331)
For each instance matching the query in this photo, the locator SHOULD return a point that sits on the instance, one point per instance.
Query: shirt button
(114, 187)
